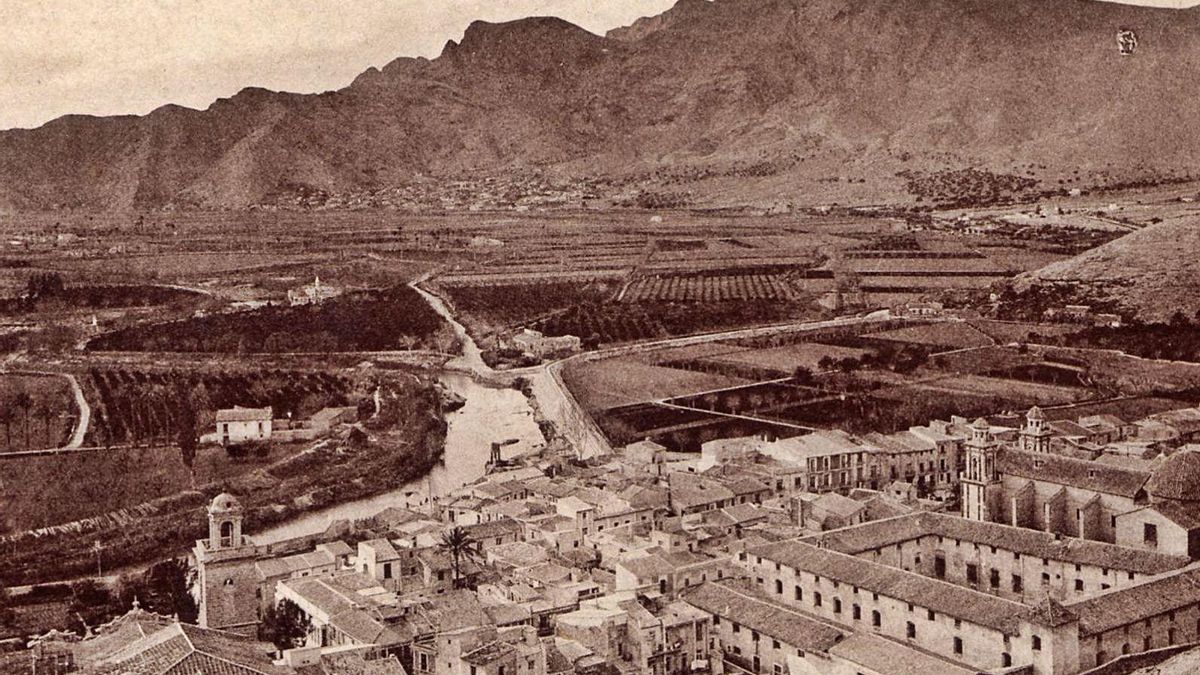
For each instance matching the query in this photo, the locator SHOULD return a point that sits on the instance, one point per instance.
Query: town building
(983, 596)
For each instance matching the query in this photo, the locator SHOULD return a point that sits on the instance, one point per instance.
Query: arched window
(227, 533)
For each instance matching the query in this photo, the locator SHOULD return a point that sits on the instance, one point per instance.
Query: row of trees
(900, 359)
(18, 410)
(609, 323)
(164, 588)
(133, 406)
(395, 318)
(1178, 339)
(47, 291)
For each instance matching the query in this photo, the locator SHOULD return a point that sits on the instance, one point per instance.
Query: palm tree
(461, 546)
(24, 402)
(7, 417)
(46, 412)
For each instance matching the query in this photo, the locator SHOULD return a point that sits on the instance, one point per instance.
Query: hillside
(1153, 272)
(800, 100)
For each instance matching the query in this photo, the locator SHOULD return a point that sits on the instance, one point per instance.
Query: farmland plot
(951, 335)
(710, 288)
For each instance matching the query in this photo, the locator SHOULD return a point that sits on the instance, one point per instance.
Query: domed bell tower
(1035, 437)
(981, 476)
(224, 523)
(225, 572)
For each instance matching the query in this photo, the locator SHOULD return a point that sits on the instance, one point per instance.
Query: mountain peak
(525, 46)
(648, 25)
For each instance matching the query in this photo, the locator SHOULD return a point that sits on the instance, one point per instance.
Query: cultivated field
(132, 405)
(883, 378)
(710, 288)
(616, 382)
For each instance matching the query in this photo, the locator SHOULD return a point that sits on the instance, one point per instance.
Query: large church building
(1025, 484)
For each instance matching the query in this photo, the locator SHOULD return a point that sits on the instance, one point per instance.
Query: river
(489, 415)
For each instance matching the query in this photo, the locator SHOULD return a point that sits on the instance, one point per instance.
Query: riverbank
(490, 413)
(408, 446)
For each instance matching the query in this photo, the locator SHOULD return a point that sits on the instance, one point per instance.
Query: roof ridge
(768, 601)
(179, 629)
(897, 570)
(235, 663)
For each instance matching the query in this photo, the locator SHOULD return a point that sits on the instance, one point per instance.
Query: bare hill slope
(1154, 271)
(776, 95)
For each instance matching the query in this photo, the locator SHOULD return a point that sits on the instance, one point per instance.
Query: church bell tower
(225, 572)
(981, 477)
(1035, 437)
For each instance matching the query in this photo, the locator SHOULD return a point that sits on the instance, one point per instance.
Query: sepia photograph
(600, 337)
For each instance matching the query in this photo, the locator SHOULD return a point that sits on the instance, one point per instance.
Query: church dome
(1035, 413)
(1177, 478)
(981, 425)
(224, 502)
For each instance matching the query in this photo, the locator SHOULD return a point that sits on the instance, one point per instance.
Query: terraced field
(710, 288)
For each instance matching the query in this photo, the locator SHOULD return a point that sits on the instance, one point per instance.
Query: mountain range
(762, 99)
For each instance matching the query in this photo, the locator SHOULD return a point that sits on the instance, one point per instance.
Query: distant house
(921, 309)
(534, 342)
(312, 294)
(238, 425)
(485, 242)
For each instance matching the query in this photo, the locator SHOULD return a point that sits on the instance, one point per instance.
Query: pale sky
(106, 57)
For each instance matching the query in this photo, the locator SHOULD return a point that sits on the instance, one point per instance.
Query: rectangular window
(994, 578)
(910, 630)
(958, 649)
(799, 593)
(1150, 534)
(972, 573)
(816, 599)
(1079, 585)
(1016, 583)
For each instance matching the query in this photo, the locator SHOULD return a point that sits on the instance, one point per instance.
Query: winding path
(471, 358)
